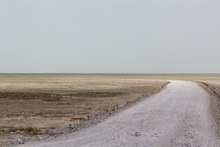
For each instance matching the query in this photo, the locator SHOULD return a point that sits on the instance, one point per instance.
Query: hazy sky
(110, 36)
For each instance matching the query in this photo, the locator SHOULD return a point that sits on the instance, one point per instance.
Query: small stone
(137, 134)
(20, 141)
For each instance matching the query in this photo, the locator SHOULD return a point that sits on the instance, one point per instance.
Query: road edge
(95, 122)
(214, 103)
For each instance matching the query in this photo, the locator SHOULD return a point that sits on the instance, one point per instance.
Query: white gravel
(179, 116)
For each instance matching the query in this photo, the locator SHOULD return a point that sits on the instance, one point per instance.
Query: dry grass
(33, 105)
(27, 130)
(213, 87)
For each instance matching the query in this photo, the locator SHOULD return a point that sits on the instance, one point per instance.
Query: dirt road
(179, 116)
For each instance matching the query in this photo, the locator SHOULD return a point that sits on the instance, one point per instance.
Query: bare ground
(178, 116)
(34, 107)
(213, 88)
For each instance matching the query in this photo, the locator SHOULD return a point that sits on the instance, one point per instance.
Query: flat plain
(36, 107)
(41, 106)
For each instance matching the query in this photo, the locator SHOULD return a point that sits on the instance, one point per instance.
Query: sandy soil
(213, 87)
(179, 116)
(34, 107)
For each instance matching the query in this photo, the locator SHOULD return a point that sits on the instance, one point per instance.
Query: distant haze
(110, 36)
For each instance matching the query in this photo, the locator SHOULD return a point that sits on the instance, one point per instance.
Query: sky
(109, 36)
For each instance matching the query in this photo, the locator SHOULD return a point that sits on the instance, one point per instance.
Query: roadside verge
(214, 102)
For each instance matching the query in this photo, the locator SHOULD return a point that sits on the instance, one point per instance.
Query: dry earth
(34, 107)
(213, 87)
(178, 116)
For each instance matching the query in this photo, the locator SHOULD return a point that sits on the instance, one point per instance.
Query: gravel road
(178, 116)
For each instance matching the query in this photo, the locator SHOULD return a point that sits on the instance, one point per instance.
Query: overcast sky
(135, 36)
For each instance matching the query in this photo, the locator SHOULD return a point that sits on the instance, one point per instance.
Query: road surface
(178, 116)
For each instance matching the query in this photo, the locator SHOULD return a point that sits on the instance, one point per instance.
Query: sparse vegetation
(213, 88)
(51, 105)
